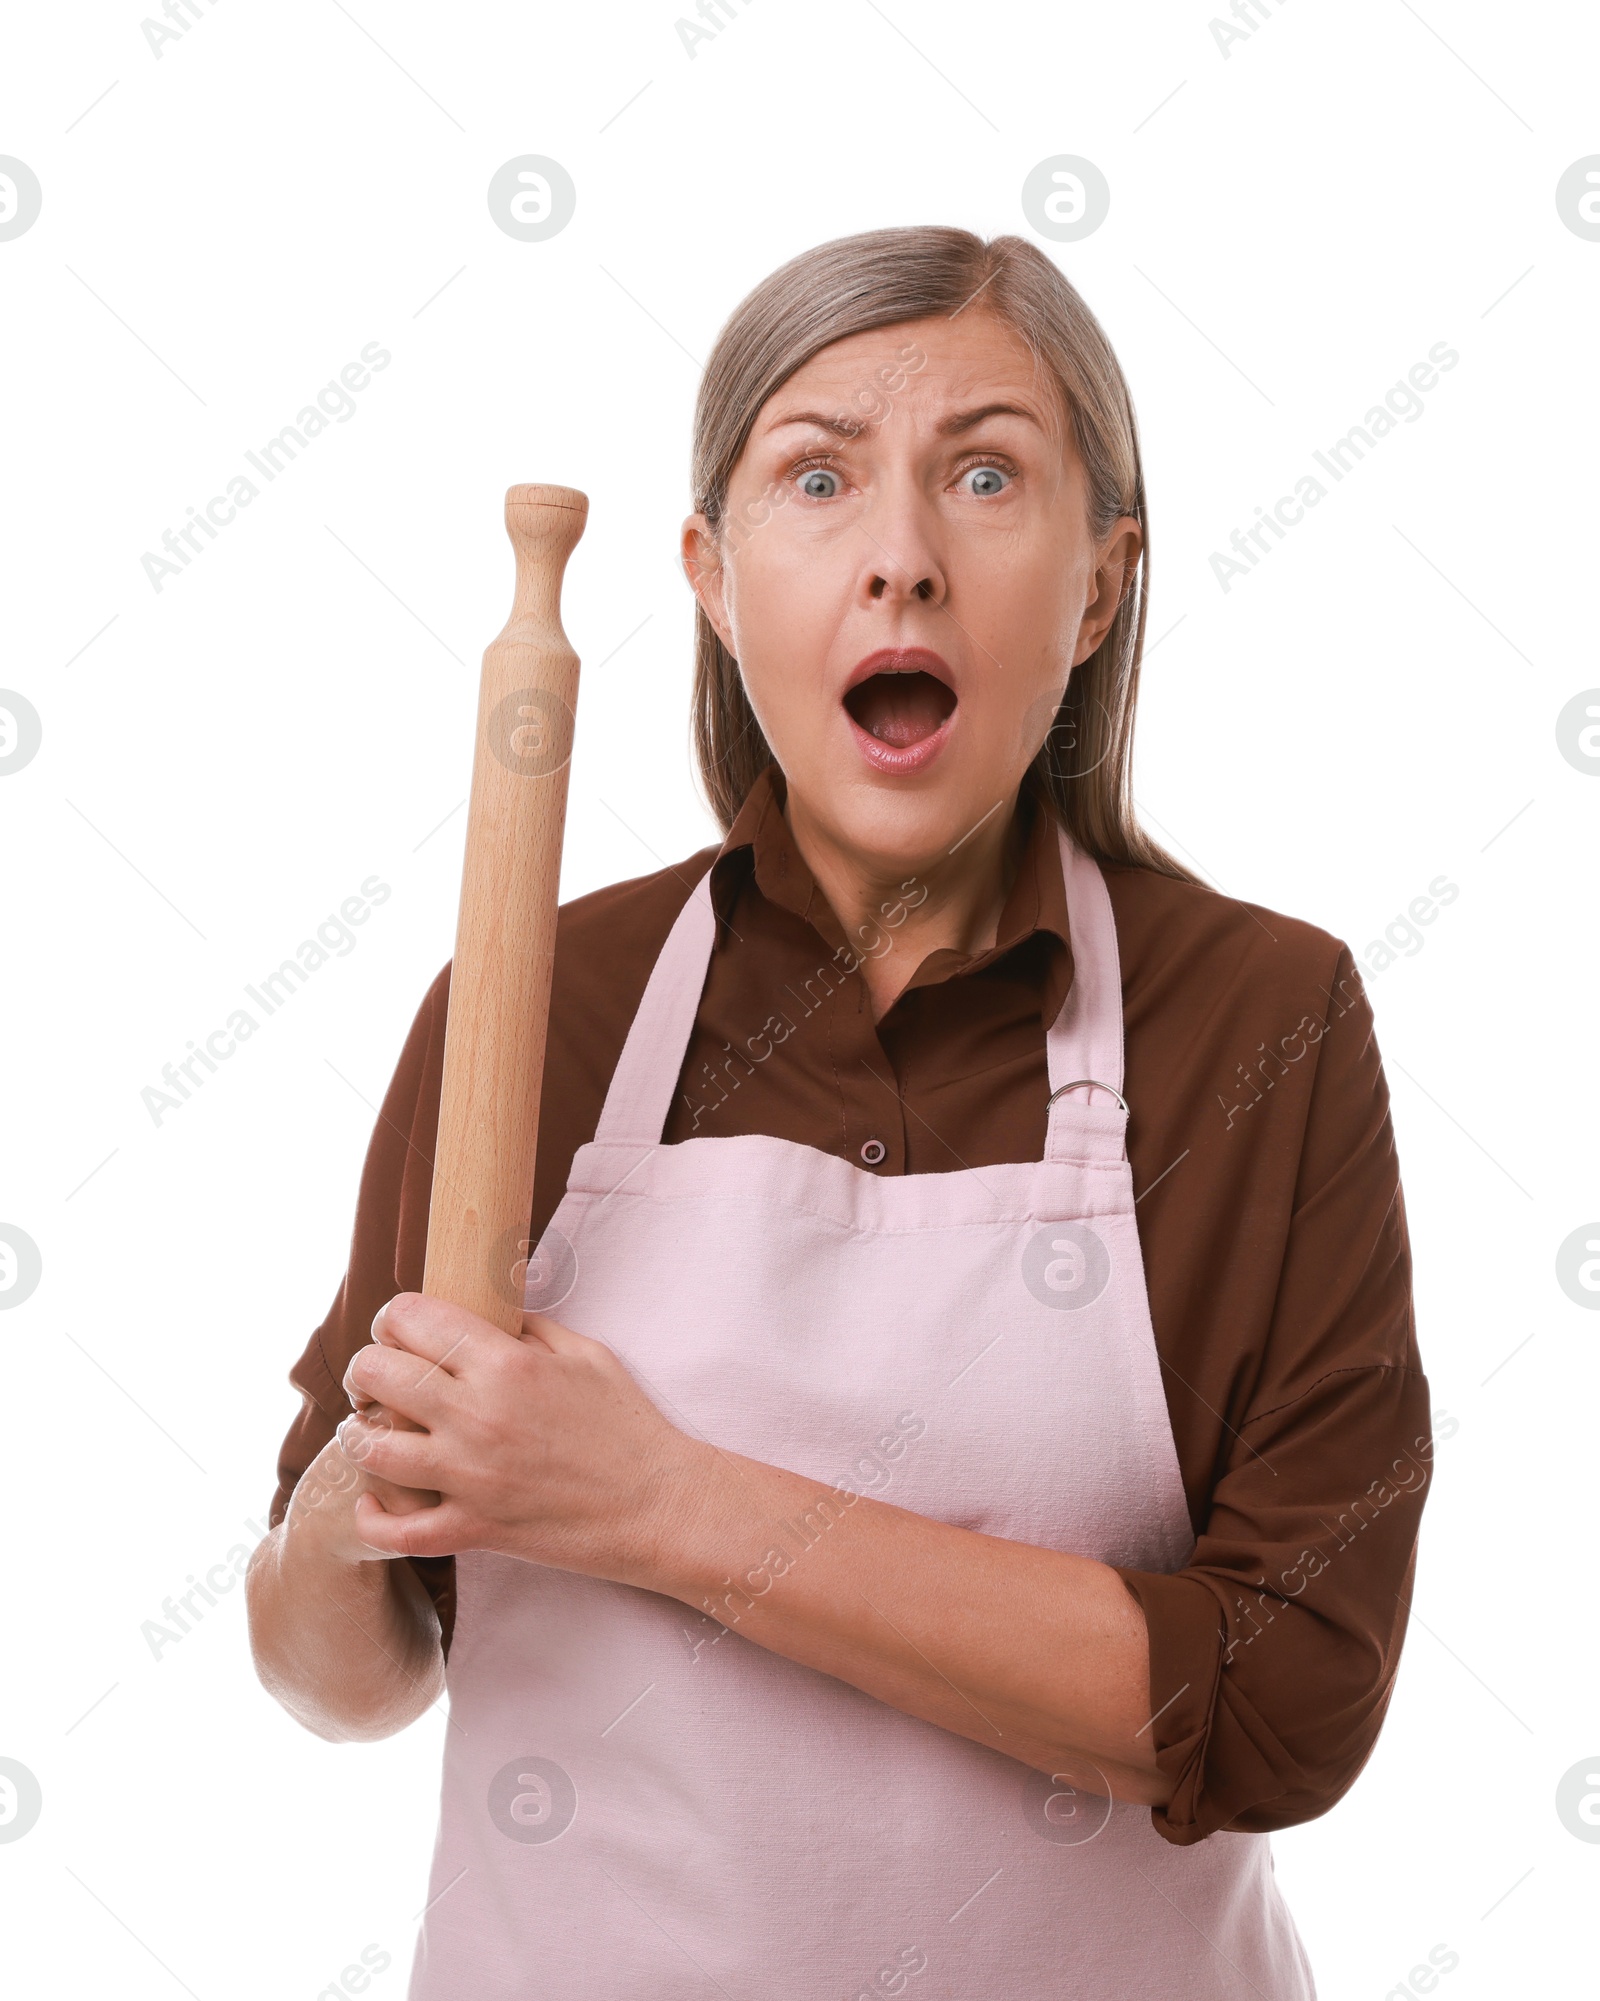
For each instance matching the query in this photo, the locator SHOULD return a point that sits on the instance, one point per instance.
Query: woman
(957, 1489)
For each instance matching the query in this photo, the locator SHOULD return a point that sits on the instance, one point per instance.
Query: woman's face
(906, 576)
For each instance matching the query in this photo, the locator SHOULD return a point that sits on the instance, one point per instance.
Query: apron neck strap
(642, 1084)
(1083, 1046)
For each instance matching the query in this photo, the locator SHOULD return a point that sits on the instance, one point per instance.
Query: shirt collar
(760, 845)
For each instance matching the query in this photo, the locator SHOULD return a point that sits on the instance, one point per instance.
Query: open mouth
(900, 704)
(900, 708)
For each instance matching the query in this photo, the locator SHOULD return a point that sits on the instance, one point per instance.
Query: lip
(885, 757)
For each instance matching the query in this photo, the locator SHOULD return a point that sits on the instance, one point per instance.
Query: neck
(895, 910)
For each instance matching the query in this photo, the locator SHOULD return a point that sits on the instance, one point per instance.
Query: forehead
(972, 359)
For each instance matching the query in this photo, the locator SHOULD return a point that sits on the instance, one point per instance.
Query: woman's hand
(544, 1447)
(347, 1641)
(322, 1508)
(540, 1446)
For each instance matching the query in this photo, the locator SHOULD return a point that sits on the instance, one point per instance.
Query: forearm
(350, 1648)
(547, 1449)
(1041, 1655)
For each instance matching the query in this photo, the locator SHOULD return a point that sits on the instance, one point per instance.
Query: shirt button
(874, 1153)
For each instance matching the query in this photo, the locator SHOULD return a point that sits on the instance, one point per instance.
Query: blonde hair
(1083, 770)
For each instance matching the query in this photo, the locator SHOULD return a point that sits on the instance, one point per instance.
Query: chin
(913, 829)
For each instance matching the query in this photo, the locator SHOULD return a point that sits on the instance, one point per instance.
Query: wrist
(319, 1527)
(681, 1529)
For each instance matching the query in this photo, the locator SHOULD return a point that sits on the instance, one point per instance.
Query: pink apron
(638, 1802)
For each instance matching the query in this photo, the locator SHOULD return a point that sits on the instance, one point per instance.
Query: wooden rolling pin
(506, 929)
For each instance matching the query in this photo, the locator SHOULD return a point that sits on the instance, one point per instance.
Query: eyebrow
(965, 420)
(842, 426)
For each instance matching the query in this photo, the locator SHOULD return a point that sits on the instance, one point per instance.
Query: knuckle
(399, 1315)
(499, 1362)
(404, 1309)
(598, 1359)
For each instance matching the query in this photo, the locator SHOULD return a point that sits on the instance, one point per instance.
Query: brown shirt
(1270, 1216)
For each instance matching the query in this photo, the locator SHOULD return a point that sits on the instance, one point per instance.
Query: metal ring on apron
(1078, 1085)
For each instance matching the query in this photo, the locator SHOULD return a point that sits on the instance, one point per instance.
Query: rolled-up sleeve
(1273, 1651)
(386, 1249)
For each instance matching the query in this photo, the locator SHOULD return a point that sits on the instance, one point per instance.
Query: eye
(820, 484)
(985, 481)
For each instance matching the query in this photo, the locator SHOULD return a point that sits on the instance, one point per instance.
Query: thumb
(538, 1330)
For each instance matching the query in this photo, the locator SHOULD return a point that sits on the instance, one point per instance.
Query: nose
(901, 564)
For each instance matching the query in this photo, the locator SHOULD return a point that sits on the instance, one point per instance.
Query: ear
(703, 566)
(1118, 555)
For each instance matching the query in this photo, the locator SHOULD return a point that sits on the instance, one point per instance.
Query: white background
(1292, 226)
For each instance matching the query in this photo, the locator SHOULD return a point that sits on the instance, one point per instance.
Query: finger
(432, 1328)
(400, 1500)
(397, 1378)
(397, 1499)
(548, 1333)
(532, 1334)
(378, 1413)
(378, 1447)
(437, 1531)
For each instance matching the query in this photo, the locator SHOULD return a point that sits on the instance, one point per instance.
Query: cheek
(1018, 599)
(1038, 718)
(1022, 652)
(763, 591)
(1010, 720)
(784, 611)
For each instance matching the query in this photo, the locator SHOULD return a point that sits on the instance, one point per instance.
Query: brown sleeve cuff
(386, 1254)
(322, 1404)
(1187, 1640)
(1267, 1698)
